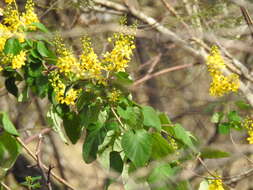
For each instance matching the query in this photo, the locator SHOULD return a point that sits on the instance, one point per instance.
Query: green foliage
(137, 146)
(213, 153)
(9, 147)
(32, 182)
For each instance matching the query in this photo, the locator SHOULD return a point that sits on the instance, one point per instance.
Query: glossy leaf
(213, 153)
(183, 135)
(91, 143)
(116, 162)
(137, 146)
(7, 124)
(72, 126)
(42, 49)
(40, 26)
(161, 147)
(11, 86)
(12, 46)
(12, 147)
(151, 119)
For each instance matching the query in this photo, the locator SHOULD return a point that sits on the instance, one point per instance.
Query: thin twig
(5, 186)
(33, 137)
(51, 138)
(45, 167)
(38, 156)
(174, 13)
(118, 118)
(164, 71)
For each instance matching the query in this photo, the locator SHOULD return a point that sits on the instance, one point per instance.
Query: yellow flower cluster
(4, 35)
(29, 16)
(11, 18)
(91, 66)
(221, 84)
(62, 97)
(120, 56)
(215, 184)
(173, 143)
(248, 124)
(114, 95)
(66, 61)
(14, 24)
(18, 60)
(9, 1)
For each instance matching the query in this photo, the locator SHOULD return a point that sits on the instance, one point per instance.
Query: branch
(5, 186)
(45, 167)
(162, 72)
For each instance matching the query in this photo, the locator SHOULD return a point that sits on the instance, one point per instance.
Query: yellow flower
(120, 56)
(66, 62)
(91, 67)
(215, 184)
(11, 18)
(1, 68)
(9, 1)
(29, 16)
(221, 84)
(248, 124)
(114, 95)
(59, 87)
(19, 60)
(224, 84)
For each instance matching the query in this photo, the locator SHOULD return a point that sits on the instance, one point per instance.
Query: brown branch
(174, 13)
(248, 20)
(55, 149)
(33, 137)
(38, 156)
(5, 186)
(233, 180)
(30, 153)
(162, 72)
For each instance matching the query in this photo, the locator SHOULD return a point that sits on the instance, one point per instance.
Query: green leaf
(40, 26)
(12, 149)
(7, 124)
(11, 86)
(224, 128)
(12, 46)
(132, 116)
(242, 105)
(41, 86)
(203, 185)
(213, 153)
(35, 70)
(91, 143)
(42, 49)
(160, 174)
(217, 117)
(183, 135)
(161, 147)
(55, 121)
(123, 78)
(137, 146)
(116, 162)
(72, 126)
(151, 119)
(164, 119)
(90, 115)
(233, 116)
(24, 96)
